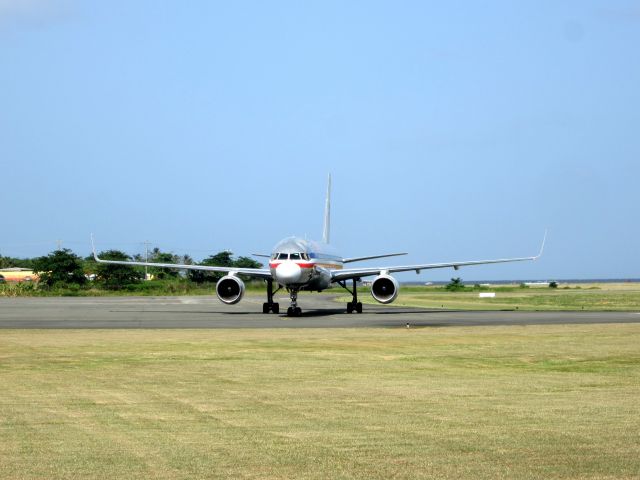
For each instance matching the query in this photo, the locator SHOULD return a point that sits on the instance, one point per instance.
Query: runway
(319, 311)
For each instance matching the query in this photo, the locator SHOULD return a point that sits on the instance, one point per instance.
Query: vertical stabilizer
(327, 214)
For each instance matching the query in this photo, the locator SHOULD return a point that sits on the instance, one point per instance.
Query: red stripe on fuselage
(301, 265)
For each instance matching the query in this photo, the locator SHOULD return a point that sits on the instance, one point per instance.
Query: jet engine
(230, 289)
(384, 289)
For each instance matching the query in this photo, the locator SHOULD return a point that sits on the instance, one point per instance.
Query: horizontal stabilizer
(357, 259)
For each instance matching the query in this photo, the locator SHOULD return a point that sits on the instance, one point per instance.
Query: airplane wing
(349, 273)
(263, 273)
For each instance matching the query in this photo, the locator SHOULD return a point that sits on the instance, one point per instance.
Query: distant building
(536, 284)
(18, 275)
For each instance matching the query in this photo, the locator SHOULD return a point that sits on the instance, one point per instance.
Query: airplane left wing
(349, 273)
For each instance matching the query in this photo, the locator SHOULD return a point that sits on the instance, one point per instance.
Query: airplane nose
(288, 272)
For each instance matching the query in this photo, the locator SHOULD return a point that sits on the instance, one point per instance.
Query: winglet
(93, 248)
(327, 214)
(544, 239)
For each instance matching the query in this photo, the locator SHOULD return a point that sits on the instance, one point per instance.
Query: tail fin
(326, 231)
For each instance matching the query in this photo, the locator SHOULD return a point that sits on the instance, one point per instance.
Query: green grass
(178, 286)
(490, 402)
(591, 297)
(595, 297)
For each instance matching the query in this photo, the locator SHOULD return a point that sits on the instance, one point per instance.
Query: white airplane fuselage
(303, 264)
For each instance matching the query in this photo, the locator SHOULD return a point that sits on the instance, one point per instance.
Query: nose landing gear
(294, 310)
(270, 306)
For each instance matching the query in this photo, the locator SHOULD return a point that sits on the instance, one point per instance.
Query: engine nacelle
(230, 289)
(384, 289)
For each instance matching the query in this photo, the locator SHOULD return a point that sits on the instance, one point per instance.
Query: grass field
(490, 402)
(594, 297)
(178, 286)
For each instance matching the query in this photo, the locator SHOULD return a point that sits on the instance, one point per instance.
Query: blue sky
(453, 132)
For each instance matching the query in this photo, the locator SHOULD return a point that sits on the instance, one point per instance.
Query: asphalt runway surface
(319, 311)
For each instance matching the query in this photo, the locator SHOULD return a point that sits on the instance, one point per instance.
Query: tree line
(62, 268)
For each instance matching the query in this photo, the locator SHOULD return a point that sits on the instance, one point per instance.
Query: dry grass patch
(491, 402)
(587, 297)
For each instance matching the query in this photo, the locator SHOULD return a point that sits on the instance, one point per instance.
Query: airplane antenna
(327, 214)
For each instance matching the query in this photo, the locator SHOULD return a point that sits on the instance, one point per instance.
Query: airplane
(297, 264)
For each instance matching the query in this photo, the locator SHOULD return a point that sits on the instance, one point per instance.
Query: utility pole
(146, 259)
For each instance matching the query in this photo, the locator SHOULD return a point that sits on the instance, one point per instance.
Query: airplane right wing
(263, 273)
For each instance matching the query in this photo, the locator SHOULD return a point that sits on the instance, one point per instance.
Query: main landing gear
(270, 305)
(354, 305)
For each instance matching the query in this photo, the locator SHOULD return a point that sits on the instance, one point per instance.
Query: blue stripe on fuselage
(324, 256)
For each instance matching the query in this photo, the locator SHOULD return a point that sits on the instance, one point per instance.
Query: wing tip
(544, 240)
(93, 249)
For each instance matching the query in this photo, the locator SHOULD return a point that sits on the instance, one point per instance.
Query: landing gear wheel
(270, 307)
(294, 310)
(354, 307)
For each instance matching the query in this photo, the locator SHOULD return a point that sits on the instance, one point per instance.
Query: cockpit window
(283, 256)
(304, 256)
(294, 256)
(274, 256)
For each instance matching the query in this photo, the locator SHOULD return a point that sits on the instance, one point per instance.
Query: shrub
(59, 268)
(455, 285)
